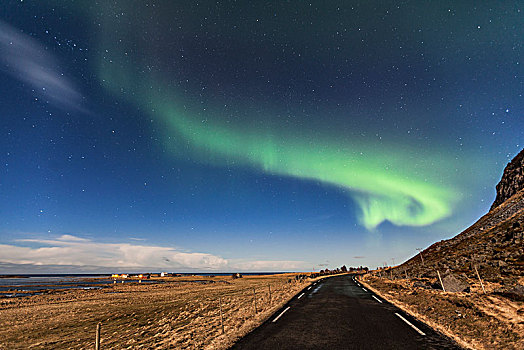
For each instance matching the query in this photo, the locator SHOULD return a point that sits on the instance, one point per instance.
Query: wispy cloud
(25, 59)
(72, 238)
(72, 251)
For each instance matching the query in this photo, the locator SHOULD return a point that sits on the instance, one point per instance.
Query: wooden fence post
(421, 258)
(481, 284)
(221, 315)
(442, 284)
(97, 339)
(255, 300)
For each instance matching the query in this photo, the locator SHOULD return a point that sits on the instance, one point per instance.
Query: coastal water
(24, 285)
(27, 285)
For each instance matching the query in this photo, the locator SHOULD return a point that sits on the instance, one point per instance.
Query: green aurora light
(383, 183)
(387, 182)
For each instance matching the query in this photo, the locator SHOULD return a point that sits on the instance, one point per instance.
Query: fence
(452, 284)
(213, 315)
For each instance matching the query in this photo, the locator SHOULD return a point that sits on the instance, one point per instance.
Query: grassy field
(181, 313)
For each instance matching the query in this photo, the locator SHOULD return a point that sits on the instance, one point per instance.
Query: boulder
(455, 285)
(516, 293)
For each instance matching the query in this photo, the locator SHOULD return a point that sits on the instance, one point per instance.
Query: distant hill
(495, 243)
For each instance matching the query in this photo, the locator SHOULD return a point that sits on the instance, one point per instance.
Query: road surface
(340, 313)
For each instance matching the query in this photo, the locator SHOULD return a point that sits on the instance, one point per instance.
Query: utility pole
(421, 258)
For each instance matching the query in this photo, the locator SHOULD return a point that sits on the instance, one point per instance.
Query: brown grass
(133, 316)
(474, 320)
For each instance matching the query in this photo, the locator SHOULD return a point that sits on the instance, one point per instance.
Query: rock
(512, 180)
(455, 285)
(516, 293)
(421, 285)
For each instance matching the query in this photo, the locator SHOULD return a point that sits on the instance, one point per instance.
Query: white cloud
(72, 251)
(72, 238)
(76, 251)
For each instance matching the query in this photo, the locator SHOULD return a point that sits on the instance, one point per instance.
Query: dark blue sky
(252, 135)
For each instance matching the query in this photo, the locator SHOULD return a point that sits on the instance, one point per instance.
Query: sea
(30, 284)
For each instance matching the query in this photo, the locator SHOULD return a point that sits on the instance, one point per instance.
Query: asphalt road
(339, 313)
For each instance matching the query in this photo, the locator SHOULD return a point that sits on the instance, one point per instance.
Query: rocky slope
(494, 244)
(485, 313)
(512, 180)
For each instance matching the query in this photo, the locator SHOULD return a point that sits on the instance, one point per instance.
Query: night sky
(253, 136)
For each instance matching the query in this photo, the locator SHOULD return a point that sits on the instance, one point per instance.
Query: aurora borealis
(380, 183)
(231, 131)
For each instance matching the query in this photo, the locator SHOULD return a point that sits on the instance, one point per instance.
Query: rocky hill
(494, 244)
(512, 180)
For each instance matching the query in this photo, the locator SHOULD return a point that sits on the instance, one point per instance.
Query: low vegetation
(182, 312)
(475, 319)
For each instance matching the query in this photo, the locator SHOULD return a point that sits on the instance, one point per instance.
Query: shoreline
(168, 315)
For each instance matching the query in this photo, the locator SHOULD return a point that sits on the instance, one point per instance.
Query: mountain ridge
(512, 180)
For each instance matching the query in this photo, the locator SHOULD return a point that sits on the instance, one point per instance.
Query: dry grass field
(181, 313)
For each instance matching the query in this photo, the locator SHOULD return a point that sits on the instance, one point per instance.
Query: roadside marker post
(255, 300)
(221, 315)
(481, 284)
(421, 258)
(442, 284)
(97, 338)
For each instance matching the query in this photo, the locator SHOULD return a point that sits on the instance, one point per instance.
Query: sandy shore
(150, 316)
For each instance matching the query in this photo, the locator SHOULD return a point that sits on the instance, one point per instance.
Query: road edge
(421, 318)
(269, 317)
